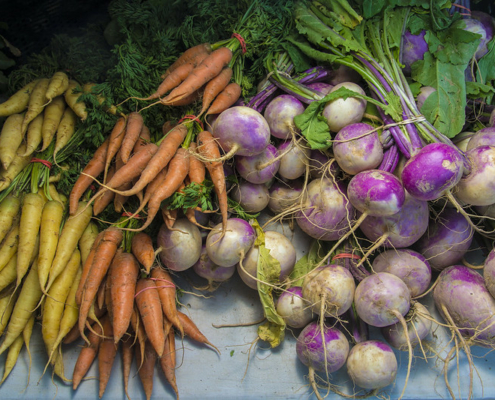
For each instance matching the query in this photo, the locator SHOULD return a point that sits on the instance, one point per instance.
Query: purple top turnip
(259, 168)
(414, 48)
(284, 195)
(294, 159)
(484, 137)
(252, 197)
(292, 307)
(280, 113)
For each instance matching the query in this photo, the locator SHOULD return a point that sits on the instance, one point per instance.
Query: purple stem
(390, 159)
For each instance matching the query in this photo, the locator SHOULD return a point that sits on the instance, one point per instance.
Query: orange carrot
(191, 330)
(209, 68)
(108, 294)
(169, 217)
(168, 126)
(166, 291)
(196, 167)
(87, 267)
(177, 172)
(208, 148)
(193, 55)
(107, 351)
(226, 98)
(214, 87)
(127, 355)
(137, 327)
(122, 278)
(133, 130)
(86, 356)
(144, 138)
(168, 362)
(101, 294)
(103, 201)
(74, 333)
(94, 168)
(143, 250)
(172, 80)
(166, 151)
(104, 254)
(147, 368)
(191, 216)
(114, 142)
(167, 326)
(150, 310)
(119, 200)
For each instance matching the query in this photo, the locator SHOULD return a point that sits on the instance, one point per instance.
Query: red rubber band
(129, 214)
(192, 118)
(241, 41)
(44, 162)
(346, 255)
(163, 280)
(150, 287)
(463, 8)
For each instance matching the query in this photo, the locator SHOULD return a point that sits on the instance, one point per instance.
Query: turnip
(477, 27)
(484, 137)
(489, 272)
(242, 131)
(280, 248)
(181, 247)
(329, 290)
(343, 74)
(408, 265)
(283, 195)
(357, 148)
(259, 168)
(294, 157)
(340, 112)
(326, 213)
(252, 197)
(213, 273)
(478, 187)
(323, 349)
(419, 322)
(280, 113)
(372, 365)
(226, 251)
(413, 49)
(432, 171)
(293, 308)
(447, 239)
(321, 164)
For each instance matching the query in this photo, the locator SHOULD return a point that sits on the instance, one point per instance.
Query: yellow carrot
(51, 220)
(37, 102)
(29, 226)
(65, 131)
(9, 209)
(9, 246)
(59, 83)
(18, 102)
(16, 166)
(72, 100)
(6, 306)
(26, 335)
(33, 135)
(51, 120)
(9, 273)
(12, 356)
(10, 139)
(87, 239)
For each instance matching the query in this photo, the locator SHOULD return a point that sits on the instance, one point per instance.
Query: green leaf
(445, 108)
(343, 11)
(476, 90)
(486, 72)
(272, 333)
(454, 45)
(305, 264)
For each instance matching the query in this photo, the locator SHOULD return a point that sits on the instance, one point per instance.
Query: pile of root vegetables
(352, 154)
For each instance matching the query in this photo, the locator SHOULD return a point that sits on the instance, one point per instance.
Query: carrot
(87, 266)
(19, 101)
(134, 167)
(59, 83)
(122, 278)
(150, 310)
(214, 87)
(169, 217)
(7, 304)
(72, 98)
(183, 101)
(9, 273)
(114, 142)
(127, 355)
(51, 120)
(74, 333)
(166, 291)
(29, 226)
(9, 209)
(168, 362)
(29, 296)
(12, 356)
(37, 101)
(33, 135)
(193, 55)
(65, 131)
(137, 326)
(9, 246)
(87, 356)
(104, 200)
(209, 68)
(134, 127)
(144, 138)
(54, 305)
(177, 172)
(15, 167)
(196, 167)
(147, 368)
(94, 168)
(166, 151)
(51, 220)
(111, 109)
(67, 242)
(10, 138)
(102, 296)
(172, 80)
(87, 239)
(191, 330)
(208, 148)
(26, 335)
(142, 248)
(104, 253)
(119, 200)
(225, 98)
(106, 357)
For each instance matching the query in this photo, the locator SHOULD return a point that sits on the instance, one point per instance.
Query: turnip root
(294, 158)
(253, 197)
(259, 168)
(213, 273)
(292, 307)
(340, 112)
(280, 113)
(283, 195)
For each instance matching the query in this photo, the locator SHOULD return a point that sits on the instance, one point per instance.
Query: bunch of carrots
(125, 299)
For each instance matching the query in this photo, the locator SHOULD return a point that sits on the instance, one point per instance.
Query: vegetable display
(332, 159)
